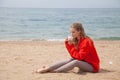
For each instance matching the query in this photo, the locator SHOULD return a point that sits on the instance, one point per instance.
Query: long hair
(78, 27)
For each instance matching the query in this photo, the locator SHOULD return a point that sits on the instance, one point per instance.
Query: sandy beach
(19, 60)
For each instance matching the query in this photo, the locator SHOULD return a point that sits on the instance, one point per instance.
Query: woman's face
(75, 33)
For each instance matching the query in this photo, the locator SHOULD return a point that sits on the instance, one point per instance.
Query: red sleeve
(68, 46)
(81, 53)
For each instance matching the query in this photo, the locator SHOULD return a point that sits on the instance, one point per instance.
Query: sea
(52, 24)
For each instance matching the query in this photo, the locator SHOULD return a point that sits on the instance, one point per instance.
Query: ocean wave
(55, 39)
(109, 38)
(60, 40)
(37, 19)
(32, 40)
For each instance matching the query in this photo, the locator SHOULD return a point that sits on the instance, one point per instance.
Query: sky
(61, 3)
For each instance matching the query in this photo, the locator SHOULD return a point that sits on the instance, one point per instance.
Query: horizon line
(60, 7)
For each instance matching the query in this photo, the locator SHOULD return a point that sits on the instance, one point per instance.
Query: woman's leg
(54, 66)
(59, 64)
(75, 63)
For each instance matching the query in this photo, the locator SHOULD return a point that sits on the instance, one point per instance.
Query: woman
(82, 51)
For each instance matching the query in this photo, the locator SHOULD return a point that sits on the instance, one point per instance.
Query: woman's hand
(69, 40)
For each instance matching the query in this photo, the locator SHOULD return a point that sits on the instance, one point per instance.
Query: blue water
(53, 24)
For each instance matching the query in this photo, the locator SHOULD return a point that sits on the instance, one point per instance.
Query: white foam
(32, 39)
(55, 39)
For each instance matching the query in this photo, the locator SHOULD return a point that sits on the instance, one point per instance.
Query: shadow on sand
(100, 71)
(105, 71)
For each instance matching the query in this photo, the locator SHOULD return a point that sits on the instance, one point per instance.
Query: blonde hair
(78, 27)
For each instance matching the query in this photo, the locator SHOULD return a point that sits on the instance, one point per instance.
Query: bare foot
(42, 70)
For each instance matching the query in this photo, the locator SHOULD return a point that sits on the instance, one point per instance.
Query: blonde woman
(82, 51)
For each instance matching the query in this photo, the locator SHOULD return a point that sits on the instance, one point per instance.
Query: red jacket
(85, 52)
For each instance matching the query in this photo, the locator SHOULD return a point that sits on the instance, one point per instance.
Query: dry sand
(19, 60)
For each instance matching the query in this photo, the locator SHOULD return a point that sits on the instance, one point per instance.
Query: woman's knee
(75, 62)
(78, 63)
(70, 59)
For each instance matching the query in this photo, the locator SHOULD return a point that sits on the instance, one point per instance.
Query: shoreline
(61, 40)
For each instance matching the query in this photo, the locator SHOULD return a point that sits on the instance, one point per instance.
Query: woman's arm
(82, 52)
(68, 45)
